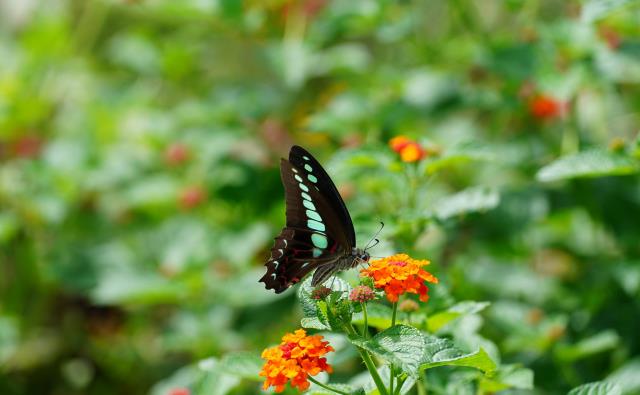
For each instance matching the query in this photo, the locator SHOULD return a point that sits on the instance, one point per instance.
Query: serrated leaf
(412, 351)
(596, 388)
(627, 377)
(315, 311)
(593, 10)
(242, 364)
(440, 319)
(591, 163)
(467, 201)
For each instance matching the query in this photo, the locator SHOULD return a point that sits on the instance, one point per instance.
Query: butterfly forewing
(319, 229)
(316, 175)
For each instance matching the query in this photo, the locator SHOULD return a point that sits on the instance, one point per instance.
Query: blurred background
(140, 189)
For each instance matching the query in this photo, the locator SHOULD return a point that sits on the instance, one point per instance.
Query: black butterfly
(319, 233)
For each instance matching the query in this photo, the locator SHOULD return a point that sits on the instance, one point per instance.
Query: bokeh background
(140, 190)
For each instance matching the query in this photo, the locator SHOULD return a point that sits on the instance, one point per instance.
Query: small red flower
(611, 37)
(362, 294)
(177, 154)
(179, 391)
(28, 146)
(297, 357)
(546, 107)
(191, 197)
(399, 274)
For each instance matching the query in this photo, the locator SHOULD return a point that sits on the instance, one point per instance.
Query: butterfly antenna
(374, 237)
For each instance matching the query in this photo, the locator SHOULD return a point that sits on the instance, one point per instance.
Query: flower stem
(394, 313)
(391, 367)
(371, 367)
(329, 388)
(400, 384)
(365, 330)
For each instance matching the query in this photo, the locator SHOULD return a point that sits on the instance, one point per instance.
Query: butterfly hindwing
(293, 256)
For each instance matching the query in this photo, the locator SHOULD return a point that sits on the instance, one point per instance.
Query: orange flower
(409, 150)
(399, 142)
(546, 107)
(399, 274)
(297, 357)
(412, 152)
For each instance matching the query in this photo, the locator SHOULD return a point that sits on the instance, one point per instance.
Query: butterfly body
(319, 232)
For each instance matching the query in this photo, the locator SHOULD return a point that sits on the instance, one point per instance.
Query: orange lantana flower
(412, 152)
(296, 358)
(409, 150)
(399, 274)
(399, 142)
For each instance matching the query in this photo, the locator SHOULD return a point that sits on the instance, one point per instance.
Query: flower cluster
(320, 292)
(409, 150)
(362, 294)
(296, 358)
(399, 274)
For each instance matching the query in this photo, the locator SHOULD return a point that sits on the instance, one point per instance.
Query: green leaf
(465, 152)
(439, 320)
(315, 311)
(467, 201)
(378, 316)
(242, 364)
(136, 288)
(204, 377)
(593, 10)
(596, 388)
(591, 163)
(600, 342)
(412, 351)
(508, 376)
(627, 377)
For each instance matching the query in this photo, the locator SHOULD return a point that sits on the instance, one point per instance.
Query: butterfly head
(360, 256)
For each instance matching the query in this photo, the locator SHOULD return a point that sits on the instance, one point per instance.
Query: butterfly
(319, 232)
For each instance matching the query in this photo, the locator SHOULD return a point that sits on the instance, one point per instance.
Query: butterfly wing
(316, 234)
(313, 172)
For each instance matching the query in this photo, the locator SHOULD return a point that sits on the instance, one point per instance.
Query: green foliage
(140, 193)
(593, 163)
(413, 351)
(596, 388)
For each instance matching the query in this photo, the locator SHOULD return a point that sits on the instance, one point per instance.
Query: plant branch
(371, 367)
(327, 387)
(391, 368)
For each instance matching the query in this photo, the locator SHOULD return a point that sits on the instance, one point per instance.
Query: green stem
(391, 367)
(371, 367)
(365, 330)
(400, 384)
(329, 388)
(394, 313)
